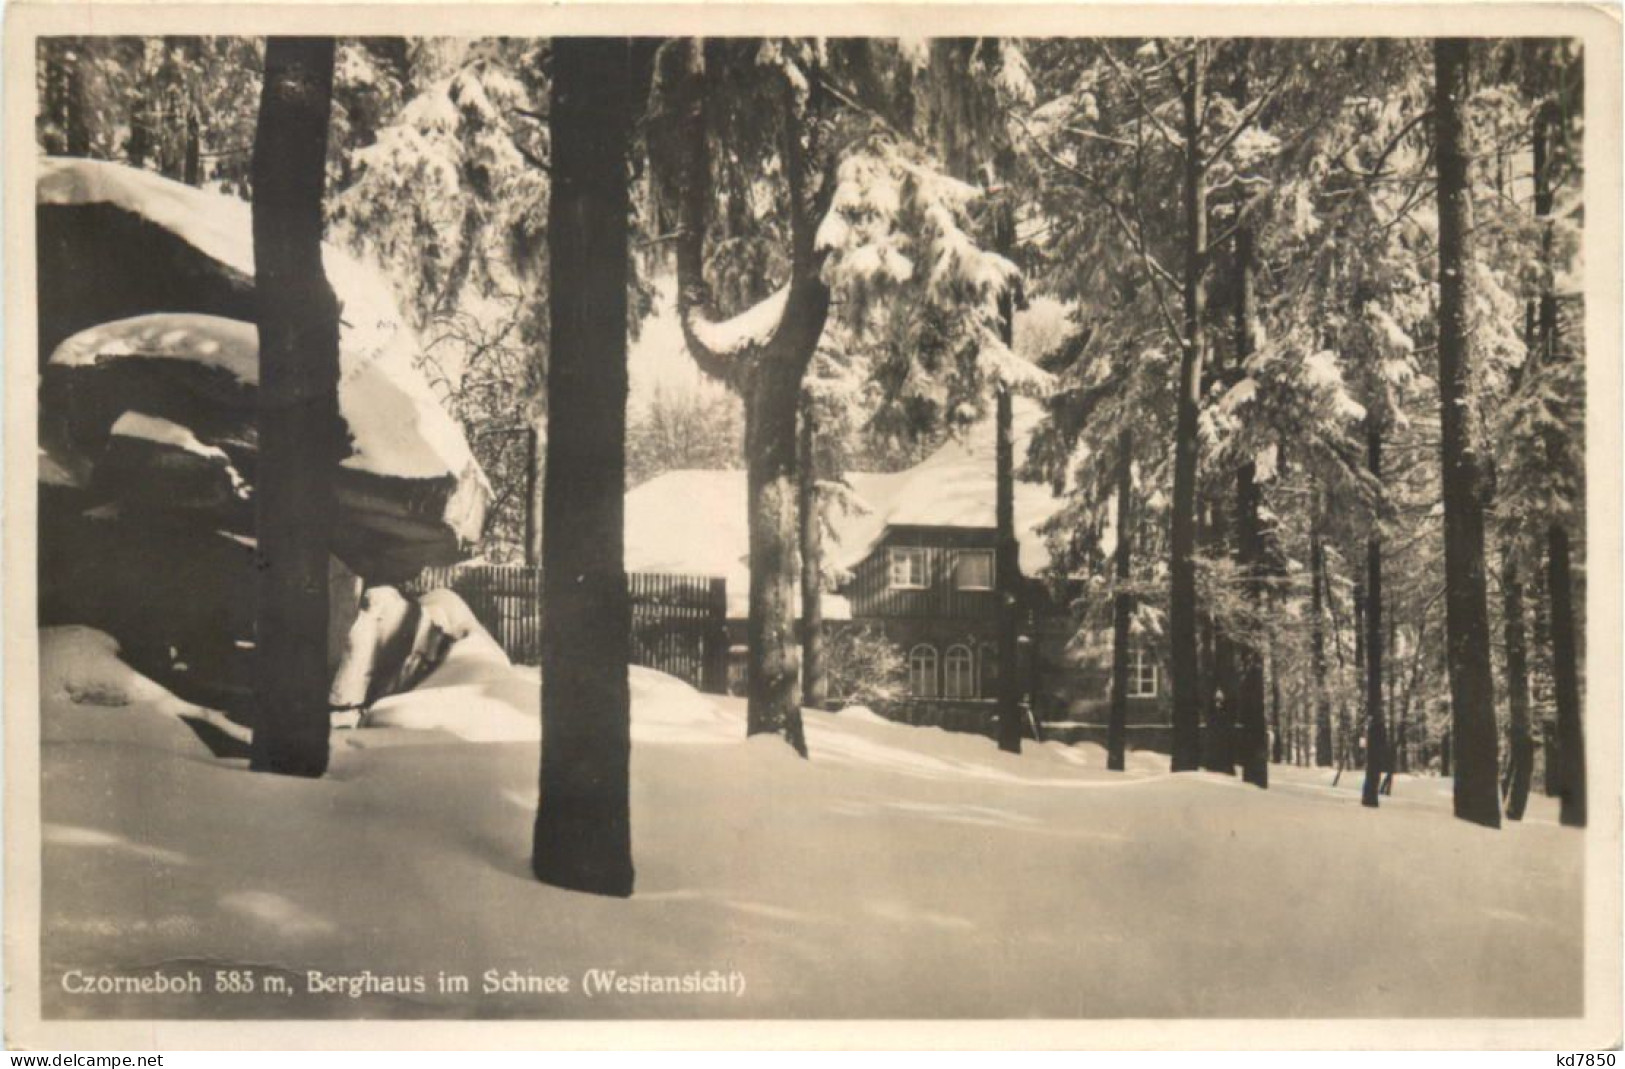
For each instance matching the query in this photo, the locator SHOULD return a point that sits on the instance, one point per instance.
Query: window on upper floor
(906, 567)
(1142, 674)
(973, 569)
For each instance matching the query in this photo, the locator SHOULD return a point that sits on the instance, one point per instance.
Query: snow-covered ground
(901, 872)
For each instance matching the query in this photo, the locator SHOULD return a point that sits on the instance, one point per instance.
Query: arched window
(959, 673)
(990, 671)
(922, 672)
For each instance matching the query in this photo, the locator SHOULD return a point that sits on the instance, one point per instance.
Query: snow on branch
(751, 329)
(1012, 372)
(1322, 374)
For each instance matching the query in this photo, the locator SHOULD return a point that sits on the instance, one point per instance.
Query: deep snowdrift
(901, 872)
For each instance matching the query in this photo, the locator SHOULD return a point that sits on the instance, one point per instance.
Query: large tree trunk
(814, 687)
(1187, 742)
(767, 375)
(1520, 737)
(1377, 760)
(1007, 579)
(1472, 687)
(583, 832)
(770, 447)
(300, 432)
(1122, 604)
(1317, 648)
(1252, 730)
(1559, 571)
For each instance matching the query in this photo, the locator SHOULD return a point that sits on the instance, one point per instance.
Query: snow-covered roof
(956, 487)
(695, 522)
(396, 423)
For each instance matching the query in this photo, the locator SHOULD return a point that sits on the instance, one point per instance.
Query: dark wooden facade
(872, 595)
(933, 621)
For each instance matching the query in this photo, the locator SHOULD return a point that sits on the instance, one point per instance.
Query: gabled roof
(694, 522)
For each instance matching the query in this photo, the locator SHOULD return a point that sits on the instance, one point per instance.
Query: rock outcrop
(148, 439)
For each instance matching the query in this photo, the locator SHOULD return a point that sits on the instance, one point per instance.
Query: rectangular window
(907, 567)
(973, 569)
(1142, 675)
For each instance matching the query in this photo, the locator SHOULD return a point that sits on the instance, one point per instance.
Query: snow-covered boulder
(396, 641)
(458, 680)
(80, 669)
(168, 461)
(146, 306)
(373, 645)
(178, 596)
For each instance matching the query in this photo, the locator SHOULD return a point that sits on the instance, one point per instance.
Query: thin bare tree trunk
(533, 497)
(1219, 720)
(1007, 569)
(1122, 604)
(814, 687)
(1378, 760)
(1317, 649)
(1279, 750)
(1566, 679)
(1520, 741)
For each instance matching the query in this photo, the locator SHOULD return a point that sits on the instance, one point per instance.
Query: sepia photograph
(667, 523)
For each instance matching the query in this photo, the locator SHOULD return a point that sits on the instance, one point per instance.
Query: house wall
(1064, 685)
(940, 616)
(1075, 685)
(1070, 683)
(871, 594)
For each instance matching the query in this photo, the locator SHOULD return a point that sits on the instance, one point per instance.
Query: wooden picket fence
(679, 622)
